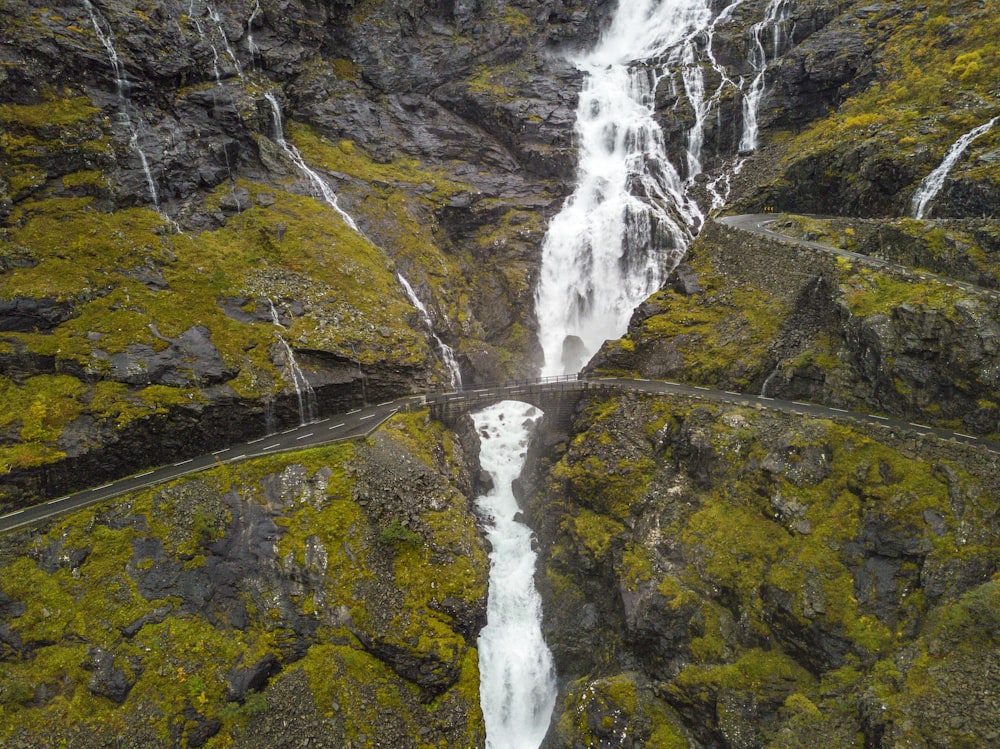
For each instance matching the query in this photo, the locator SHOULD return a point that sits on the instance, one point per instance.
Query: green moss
(766, 674)
(57, 112)
(931, 85)
(615, 709)
(870, 292)
(722, 334)
(596, 532)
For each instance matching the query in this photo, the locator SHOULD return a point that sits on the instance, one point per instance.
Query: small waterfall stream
(447, 352)
(775, 19)
(293, 373)
(328, 196)
(933, 182)
(121, 84)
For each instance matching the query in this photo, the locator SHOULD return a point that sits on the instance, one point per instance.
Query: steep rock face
(870, 104)
(333, 596)
(154, 191)
(756, 315)
(725, 576)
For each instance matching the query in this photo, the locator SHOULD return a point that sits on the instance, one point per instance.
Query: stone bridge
(557, 397)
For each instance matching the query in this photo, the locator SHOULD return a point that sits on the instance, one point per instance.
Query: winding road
(759, 223)
(361, 422)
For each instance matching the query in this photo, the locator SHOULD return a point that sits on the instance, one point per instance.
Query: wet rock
(190, 360)
(28, 315)
(245, 679)
(107, 679)
(684, 280)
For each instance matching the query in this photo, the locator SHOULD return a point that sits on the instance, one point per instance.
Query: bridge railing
(473, 393)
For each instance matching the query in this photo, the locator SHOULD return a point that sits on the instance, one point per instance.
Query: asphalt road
(759, 223)
(360, 422)
(337, 428)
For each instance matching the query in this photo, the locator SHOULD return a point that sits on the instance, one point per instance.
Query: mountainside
(219, 219)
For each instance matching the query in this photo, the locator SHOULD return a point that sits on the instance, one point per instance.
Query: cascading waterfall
(296, 158)
(518, 685)
(293, 373)
(775, 19)
(121, 84)
(447, 352)
(933, 182)
(216, 19)
(252, 47)
(629, 219)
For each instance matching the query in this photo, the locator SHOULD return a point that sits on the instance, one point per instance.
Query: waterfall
(121, 85)
(518, 686)
(293, 372)
(775, 17)
(296, 158)
(213, 14)
(252, 47)
(934, 181)
(629, 219)
(447, 352)
(303, 390)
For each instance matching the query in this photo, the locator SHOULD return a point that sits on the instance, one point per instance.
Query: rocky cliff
(195, 195)
(331, 598)
(205, 206)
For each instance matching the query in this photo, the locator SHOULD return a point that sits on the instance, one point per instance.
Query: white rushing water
(518, 684)
(934, 181)
(328, 196)
(447, 352)
(293, 373)
(629, 219)
(121, 86)
(775, 20)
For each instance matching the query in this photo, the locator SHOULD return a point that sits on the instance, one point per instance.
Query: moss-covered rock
(266, 593)
(761, 572)
(756, 315)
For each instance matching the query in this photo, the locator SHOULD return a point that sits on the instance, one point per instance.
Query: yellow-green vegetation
(130, 579)
(610, 711)
(721, 334)
(955, 249)
(607, 484)
(811, 534)
(91, 261)
(399, 200)
(933, 85)
(870, 292)
(30, 133)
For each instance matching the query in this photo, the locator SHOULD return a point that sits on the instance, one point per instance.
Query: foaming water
(629, 219)
(933, 182)
(517, 678)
